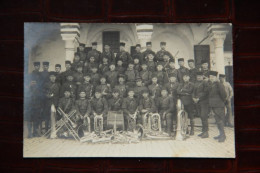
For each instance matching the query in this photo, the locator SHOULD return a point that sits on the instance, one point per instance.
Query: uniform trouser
(166, 122)
(220, 118)
(190, 110)
(228, 118)
(203, 111)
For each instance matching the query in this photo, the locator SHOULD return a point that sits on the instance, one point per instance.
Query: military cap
(52, 73)
(121, 76)
(204, 61)
(172, 60)
(148, 43)
(87, 74)
(135, 57)
(151, 52)
(145, 91)
(98, 90)
(171, 75)
(115, 90)
(160, 63)
(45, 63)
(213, 73)
(164, 88)
(36, 63)
(103, 76)
(154, 75)
(191, 60)
(68, 62)
(131, 89)
(122, 44)
(180, 59)
(80, 65)
(199, 73)
(163, 43)
(81, 90)
(144, 63)
(138, 45)
(67, 89)
(82, 44)
(69, 74)
(186, 74)
(222, 75)
(94, 43)
(58, 65)
(94, 66)
(138, 79)
(111, 64)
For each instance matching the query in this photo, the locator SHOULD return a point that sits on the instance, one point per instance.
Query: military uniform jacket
(120, 69)
(66, 104)
(99, 105)
(78, 78)
(103, 68)
(161, 53)
(138, 91)
(105, 88)
(110, 56)
(145, 54)
(83, 106)
(122, 89)
(83, 56)
(88, 67)
(64, 75)
(137, 68)
(115, 104)
(181, 72)
(165, 104)
(112, 78)
(172, 88)
(125, 57)
(205, 72)
(155, 90)
(52, 92)
(161, 77)
(44, 77)
(58, 78)
(95, 79)
(151, 66)
(200, 91)
(146, 76)
(140, 56)
(130, 105)
(147, 104)
(36, 75)
(131, 75)
(72, 86)
(171, 71)
(88, 88)
(96, 54)
(193, 75)
(75, 65)
(185, 92)
(217, 94)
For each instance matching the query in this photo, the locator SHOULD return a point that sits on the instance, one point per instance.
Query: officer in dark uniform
(154, 88)
(130, 106)
(193, 71)
(67, 71)
(108, 53)
(82, 54)
(76, 62)
(112, 75)
(45, 73)
(58, 73)
(148, 50)
(151, 64)
(165, 107)
(138, 89)
(95, 53)
(185, 90)
(217, 97)
(87, 87)
(88, 65)
(138, 54)
(78, 76)
(122, 87)
(160, 54)
(200, 98)
(205, 69)
(36, 74)
(66, 104)
(123, 55)
(99, 106)
(145, 75)
(182, 70)
(115, 103)
(104, 67)
(83, 108)
(52, 93)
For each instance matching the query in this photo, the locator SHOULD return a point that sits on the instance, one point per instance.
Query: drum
(115, 120)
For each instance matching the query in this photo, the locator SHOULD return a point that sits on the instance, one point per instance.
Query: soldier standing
(122, 87)
(151, 64)
(82, 54)
(193, 71)
(165, 108)
(69, 84)
(115, 103)
(185, 90)
(104, 88)
(145, 75)
(95, 77)
(58, 73)
(45, 73)
(67, 71)
(108, 53)
(162, 52)
(123, 55)
(182, 70)
(87, 87)
(154, 88)
(131, 75)
(52, 93)
(94, 53)
(104, 67)
(148, 50)
(138, 89)
(120, 68)
(161, 75)
(138, 54)
(78, 76)
(112, 75)
(90, 64)
(200, 98)
(217, 98)
(229, 91)
(36, 74)
(205, 69)
(171, 70)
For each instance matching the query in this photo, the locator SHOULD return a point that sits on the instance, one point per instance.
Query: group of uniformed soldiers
(95, 83)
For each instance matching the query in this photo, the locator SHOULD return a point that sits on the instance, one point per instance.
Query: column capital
(70, 31)
(217, 33)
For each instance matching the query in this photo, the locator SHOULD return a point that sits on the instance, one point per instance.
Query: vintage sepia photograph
(128, 90)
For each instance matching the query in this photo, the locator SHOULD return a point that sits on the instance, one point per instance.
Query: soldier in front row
(217, 98)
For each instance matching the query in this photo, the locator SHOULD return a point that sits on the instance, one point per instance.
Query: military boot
(192, 128)
(205, 135)
(222, 136)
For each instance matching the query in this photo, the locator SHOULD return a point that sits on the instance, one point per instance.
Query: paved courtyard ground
(194, 146)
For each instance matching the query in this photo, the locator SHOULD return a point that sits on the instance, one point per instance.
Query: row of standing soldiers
(98, 82)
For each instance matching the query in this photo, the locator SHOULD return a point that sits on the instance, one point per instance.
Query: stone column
(70, 34)
(144, 33)
(217, 34)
